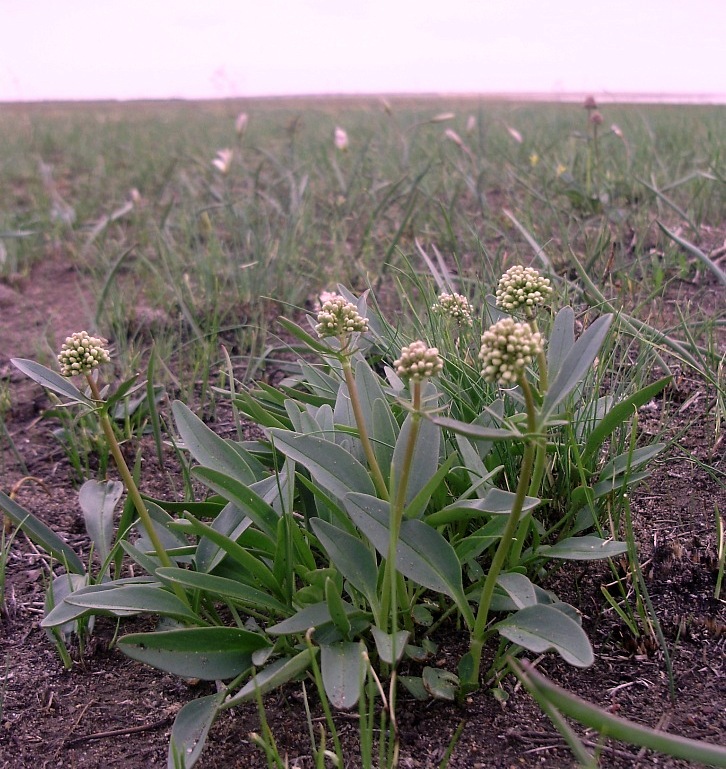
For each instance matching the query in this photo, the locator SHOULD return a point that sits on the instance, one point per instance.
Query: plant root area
(109, 711)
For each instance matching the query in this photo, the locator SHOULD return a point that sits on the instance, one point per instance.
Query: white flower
(455, 306)
(340, 138)
(223, 161)
(339, 317)
(522, 287)
(418, 361)
(81, 353)
(507, 348)
(240, 124)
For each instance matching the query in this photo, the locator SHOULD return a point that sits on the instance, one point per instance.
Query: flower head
(418, 361)
(507, 348)
(223, 161)
(240, 124)
(339, 317)
(81, 353)
(340, 139)
(522, 287)
(455, 306)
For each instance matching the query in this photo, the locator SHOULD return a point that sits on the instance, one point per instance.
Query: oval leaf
(278, 673)
(542, 627)
(98, 501)
(190, 730)
(583, 549)
(48, 378)
(343, 669)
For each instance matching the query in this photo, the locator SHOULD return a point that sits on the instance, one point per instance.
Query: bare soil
(109, 711)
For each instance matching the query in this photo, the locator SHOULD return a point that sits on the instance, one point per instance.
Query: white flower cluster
(455, 306)
(418, 361)
(522, 287)
(81, 353)
(506, 349)
(338, 317)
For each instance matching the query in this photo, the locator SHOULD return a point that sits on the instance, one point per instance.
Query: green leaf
(415, 687)
(385, 642)
(41, 535)
(343, 670)
(619, 414)
(418, 504)
(630, 460)
(496, 501)
(543, 627)
(561, 341)
(350, 556)
(336, 608)
(519, 588)
(476, 432)
(212, 451)
(330, 465)
(98, 501)
(223, 588)
(425, 455)
(208, 653)
(249, 562)
(238, 492)
(64, 612)
(190, 729)
(577, 363)
(440, 684)
(304, 337)
(314, 616)
(422, 554)
(695, 251)
(230, 522)
(272, 677)
(136, 599)
(583, 549)
(50, 379)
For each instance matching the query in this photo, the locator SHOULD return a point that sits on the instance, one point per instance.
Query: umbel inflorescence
(418, 361)
(522, 288)
(507, 348)
(456, 307)
(339, 317)
(81, 353)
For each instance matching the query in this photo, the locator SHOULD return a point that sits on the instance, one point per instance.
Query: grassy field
(192, 234)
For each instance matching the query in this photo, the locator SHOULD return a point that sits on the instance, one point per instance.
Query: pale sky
(129, 49)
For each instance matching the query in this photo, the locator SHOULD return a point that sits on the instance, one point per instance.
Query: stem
(378, 479)
(389, 590)
(132, 488)
(500, 556)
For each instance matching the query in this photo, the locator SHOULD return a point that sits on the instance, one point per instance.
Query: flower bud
(507, 348)
(81, 353)
(418, 361)
(340, 138)
(455, 306)
(522, 287)
(339, 317)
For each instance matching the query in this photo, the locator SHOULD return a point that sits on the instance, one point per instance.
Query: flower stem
(375, 469)
(500, 556)
(131, 486)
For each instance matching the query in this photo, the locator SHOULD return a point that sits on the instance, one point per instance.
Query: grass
(195, 264)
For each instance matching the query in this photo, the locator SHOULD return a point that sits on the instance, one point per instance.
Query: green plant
(366, 517)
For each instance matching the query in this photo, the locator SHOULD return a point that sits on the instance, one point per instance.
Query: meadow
(449, 537)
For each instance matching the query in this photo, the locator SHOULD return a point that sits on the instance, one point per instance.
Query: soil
(109, 711)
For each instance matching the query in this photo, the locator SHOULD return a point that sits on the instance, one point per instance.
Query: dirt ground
(109, 711)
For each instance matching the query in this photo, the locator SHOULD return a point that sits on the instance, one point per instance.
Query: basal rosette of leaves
(375, 508)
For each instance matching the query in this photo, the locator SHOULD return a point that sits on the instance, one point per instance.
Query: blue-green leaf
(577, 363)
(583, 549)
(425, 455)
(133, 599)
(422, 554)
(330, 465)
(542, 627)
(561, 341)
(208, 653)
(343, 670)
(41, 534)
(190, 730)
(51, 380)
(98, 499)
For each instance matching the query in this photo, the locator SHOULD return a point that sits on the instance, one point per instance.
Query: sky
(160, 49)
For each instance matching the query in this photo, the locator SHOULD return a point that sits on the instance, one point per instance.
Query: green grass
(217, 257)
